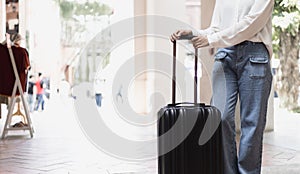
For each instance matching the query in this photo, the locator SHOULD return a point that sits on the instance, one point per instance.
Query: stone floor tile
(20, 170)
(58, 171)
(52, 167)
(7, 172)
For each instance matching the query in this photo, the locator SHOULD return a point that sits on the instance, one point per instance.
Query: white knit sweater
(235, 21)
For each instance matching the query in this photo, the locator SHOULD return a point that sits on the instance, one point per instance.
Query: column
(22, 20)
(150, 82)
(140, 46)
(174, 13)
(207, 7)
(2, 20)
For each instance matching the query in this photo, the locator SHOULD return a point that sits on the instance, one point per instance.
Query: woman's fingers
(178, 34)
(175, 36)
(200, 41)
(196, 41)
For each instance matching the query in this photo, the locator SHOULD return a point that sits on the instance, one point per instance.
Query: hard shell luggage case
(189, 135)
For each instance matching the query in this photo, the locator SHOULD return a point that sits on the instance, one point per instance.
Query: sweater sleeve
(215, 23)
(246, 28)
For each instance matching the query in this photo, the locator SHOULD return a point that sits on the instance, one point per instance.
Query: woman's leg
(255, 81)
(225, 92)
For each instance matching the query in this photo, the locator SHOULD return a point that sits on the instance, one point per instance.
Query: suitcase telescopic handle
(174, 75)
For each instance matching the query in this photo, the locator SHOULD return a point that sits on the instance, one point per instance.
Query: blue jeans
(40, 101)
(30, 101)
(242, 71)
(98, 99)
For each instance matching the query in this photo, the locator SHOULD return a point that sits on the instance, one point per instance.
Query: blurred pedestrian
(39, 92)
(30, 93)
(98, 88)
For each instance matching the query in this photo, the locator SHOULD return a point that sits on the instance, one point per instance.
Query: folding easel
(8, 126)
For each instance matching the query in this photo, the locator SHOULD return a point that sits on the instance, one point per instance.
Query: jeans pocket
(219, 61)
(220, 55)
(258, 66)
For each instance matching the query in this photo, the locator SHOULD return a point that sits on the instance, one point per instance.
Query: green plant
(286, 38)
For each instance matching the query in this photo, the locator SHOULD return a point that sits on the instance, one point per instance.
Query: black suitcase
(189, 135)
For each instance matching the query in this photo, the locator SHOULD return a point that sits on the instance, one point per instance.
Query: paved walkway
(282, 147)
(60, 147)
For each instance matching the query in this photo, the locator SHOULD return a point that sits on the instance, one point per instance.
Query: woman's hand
(179, 33)
(200, 41)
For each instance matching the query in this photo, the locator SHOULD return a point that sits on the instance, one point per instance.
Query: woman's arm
(251, 24)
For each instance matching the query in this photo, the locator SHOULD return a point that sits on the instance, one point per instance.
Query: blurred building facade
(39, 22)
